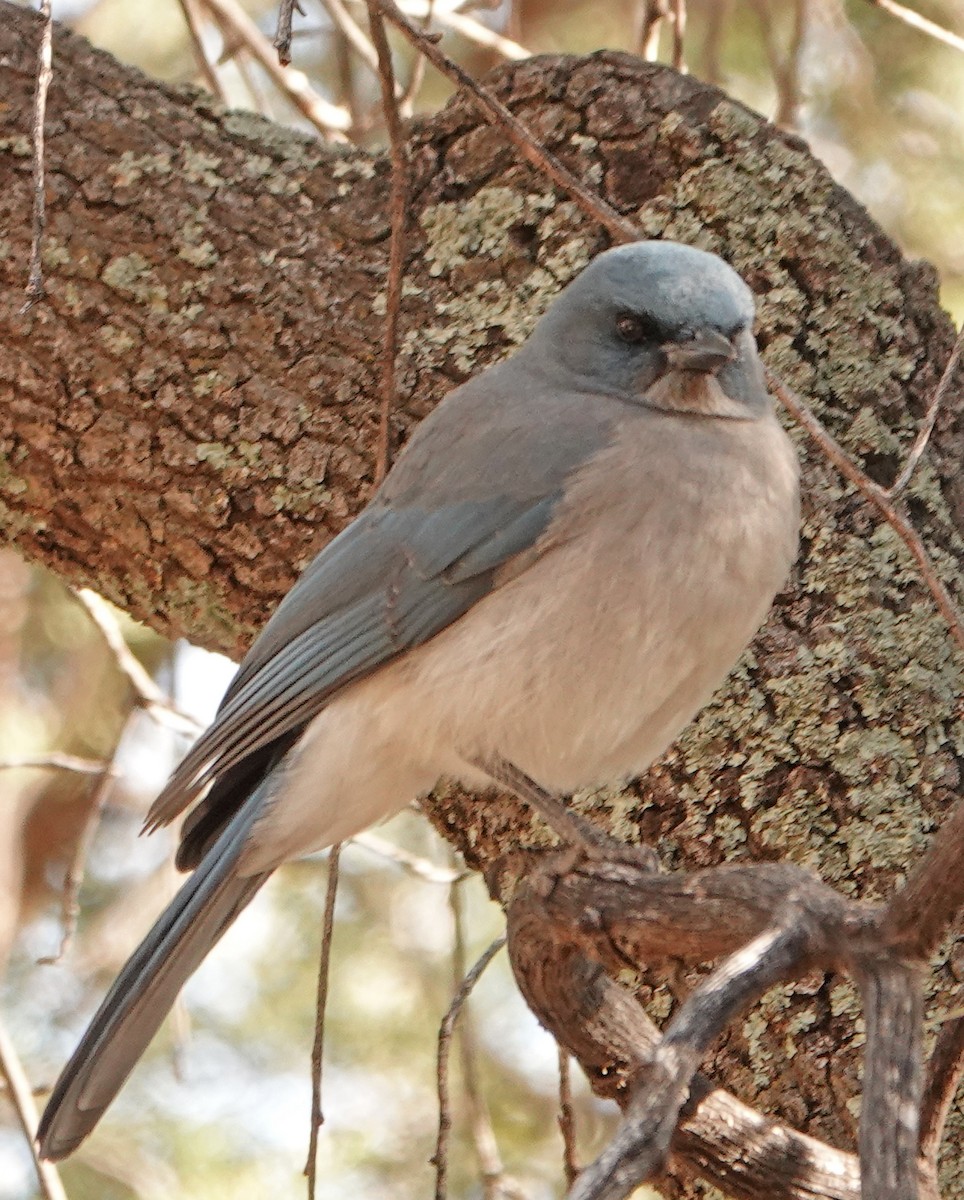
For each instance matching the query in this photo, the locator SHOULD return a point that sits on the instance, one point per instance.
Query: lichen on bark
(194, 409)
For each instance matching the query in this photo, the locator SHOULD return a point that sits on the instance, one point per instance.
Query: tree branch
(191, 411)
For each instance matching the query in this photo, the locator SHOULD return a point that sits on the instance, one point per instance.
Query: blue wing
(427, 549)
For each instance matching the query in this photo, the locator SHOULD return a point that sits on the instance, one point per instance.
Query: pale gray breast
(662, 563)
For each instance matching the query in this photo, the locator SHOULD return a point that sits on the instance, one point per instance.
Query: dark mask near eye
(636, 329)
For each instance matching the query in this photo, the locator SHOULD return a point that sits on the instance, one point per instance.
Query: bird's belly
(589, 681)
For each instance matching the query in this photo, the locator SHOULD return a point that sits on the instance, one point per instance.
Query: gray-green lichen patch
(204, 254)
(197, 605)
(132, 275)
(479, 227)
(54, 254)
(19, 146)
(200, 166)
(130, 168)
(118, 341)
(462, 236)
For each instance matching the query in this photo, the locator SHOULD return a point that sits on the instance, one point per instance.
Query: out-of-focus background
(221, 1104)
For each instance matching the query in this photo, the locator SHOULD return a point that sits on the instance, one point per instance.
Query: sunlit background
(220, 1107)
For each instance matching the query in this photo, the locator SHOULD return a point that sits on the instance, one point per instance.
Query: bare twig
(192, 18)
(421, 868)
(720, 1139)
(916, 21)
(711, 52)
(515, 130)
(638, 1150)
(282, 37)
(329, 119)
(784, 66)
(474, 31)
(649, 18)
(406, 101)
(244, 62)
(56, 761)
(35, 278)
(679, 32)
(440, 1157)
(890, 1105)
(396, 256)
(21, 1095)
(482, 35)
(353, 33)
(69, 906)
(147, 694)
(879, 499)
(944, 1072)
(483, 1135)
(567, 1119)
(318, 1046)
(920, 912)
(930, 417)
(773, 921)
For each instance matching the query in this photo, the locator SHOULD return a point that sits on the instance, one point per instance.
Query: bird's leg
(571, 827)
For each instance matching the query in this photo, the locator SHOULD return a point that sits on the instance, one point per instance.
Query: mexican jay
(566, 560)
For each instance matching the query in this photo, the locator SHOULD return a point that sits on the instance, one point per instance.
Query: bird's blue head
(659, 324)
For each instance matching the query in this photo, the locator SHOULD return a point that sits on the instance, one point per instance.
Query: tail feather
(147, 987)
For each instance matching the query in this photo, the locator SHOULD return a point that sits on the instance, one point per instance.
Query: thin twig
(567, 1119)
(353, 33)
(483, 1135)
(482, 35)
(35, 278)
(148, 695)
(192, 18)
(515, 130)
(329, 119)
(73, 880)
(649, 18)
(345, 69)
(920, 912)
(679, 32)
(440, 1157)
(916, 21)
(21, 1095)
(930, 417)
(244, 62)
(318, 1045)
(714, 24)
(944, 1072)
(784, 67)
(445, 12)
(788, 111)
(56, 761)
(421, 868)
(282, 37)
(878, 498)
(396, 255)
(406, 101)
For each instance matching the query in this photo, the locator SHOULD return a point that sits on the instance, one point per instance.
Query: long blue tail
(147, 987)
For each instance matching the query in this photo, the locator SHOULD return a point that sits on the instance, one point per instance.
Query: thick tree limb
(194, 406)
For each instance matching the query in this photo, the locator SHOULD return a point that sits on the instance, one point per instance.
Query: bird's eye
(636, 328)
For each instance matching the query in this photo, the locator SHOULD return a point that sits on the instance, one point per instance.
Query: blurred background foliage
(220, 1106)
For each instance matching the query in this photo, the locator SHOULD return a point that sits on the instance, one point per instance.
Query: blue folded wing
(390, 582)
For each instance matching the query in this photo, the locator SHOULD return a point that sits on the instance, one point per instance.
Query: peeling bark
(195, 409)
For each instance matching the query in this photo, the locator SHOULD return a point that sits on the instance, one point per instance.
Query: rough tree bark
(194, 410)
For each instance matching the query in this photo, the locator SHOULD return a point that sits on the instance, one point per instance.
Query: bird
(565, 562)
